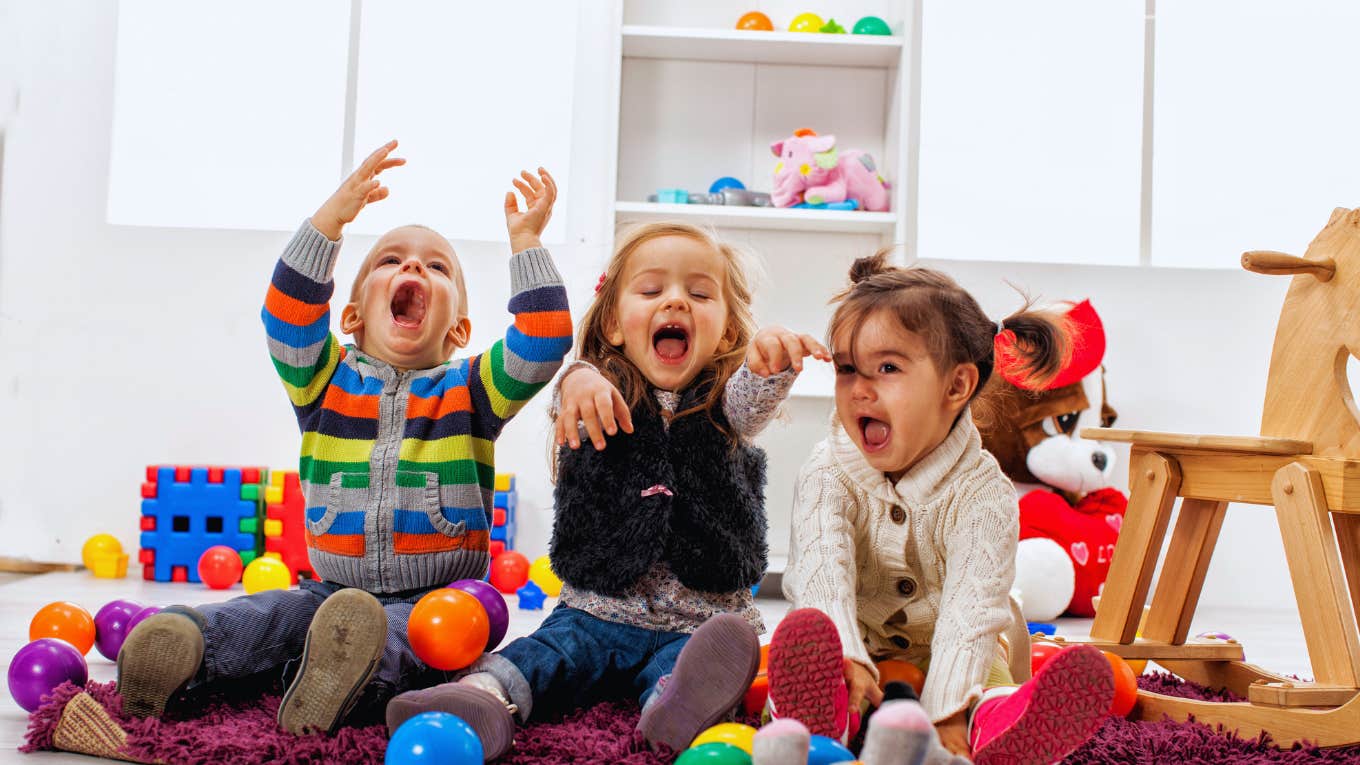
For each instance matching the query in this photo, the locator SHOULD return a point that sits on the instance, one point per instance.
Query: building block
(495, 547)
(505, 501)
(505, 482)
(285, 527)
(186, 510)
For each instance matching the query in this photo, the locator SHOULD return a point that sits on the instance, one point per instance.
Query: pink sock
(781, 742)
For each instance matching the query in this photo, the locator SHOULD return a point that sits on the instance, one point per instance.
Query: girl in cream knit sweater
(904, 533)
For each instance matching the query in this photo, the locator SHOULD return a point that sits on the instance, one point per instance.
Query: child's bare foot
(710, 678)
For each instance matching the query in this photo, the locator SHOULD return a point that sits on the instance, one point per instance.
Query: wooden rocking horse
(1306, 463)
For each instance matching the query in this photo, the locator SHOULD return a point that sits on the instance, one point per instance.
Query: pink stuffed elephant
(811, 170)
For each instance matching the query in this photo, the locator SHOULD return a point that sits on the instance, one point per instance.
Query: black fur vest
(683, 496)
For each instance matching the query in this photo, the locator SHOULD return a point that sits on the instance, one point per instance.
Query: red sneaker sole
(1070, 702)
(807, 671)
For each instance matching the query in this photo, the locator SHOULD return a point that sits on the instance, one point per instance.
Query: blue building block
(504, 534)
(509, 502)
(191, 516)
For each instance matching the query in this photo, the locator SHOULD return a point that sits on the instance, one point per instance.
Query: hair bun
(863, 268)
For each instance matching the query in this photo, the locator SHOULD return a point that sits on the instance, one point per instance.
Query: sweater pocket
(338, 527)
(418, 524)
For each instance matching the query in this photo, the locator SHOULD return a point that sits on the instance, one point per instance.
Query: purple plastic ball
(493, 602)
(138, 617)
(111, 626)
(41, 666)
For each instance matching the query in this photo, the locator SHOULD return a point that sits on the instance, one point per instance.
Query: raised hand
(361, 188)
(539, 194)
(775, 349)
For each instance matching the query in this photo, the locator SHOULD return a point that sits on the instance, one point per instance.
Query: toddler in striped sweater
(397, 459)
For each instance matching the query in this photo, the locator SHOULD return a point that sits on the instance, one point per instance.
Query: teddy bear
(1064, 481)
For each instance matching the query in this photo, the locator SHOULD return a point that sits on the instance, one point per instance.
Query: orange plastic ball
(509, 571)
(1040, 653)
(755, 21)
(892, 670)
(754, 701)
(764, 658)
(448, 629)
(65, 621)
(1125, 685)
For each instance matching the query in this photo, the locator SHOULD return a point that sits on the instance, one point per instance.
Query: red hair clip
(600, 283)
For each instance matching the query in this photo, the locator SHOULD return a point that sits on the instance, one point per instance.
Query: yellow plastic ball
(806, 22)
(733, 734)
(265, 574)
(541, 574)
(98, 546)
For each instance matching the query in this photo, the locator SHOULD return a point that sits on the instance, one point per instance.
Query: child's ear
(459, 333)
(963, 381)
(350, 320)
(728, 341)
(613, 334)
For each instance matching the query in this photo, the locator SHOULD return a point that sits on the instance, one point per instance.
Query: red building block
(285, 523)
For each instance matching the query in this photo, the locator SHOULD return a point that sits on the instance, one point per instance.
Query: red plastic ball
(509, 571)
(220, 567)
(1040, 653)
(448, 629)
(65, 621)
(1125, 685)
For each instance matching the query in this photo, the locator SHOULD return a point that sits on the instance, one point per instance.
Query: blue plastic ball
(725, 182)
(825, 751)
(432, 738)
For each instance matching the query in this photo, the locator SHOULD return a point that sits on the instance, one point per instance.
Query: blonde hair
(592, 340)
(356, 291)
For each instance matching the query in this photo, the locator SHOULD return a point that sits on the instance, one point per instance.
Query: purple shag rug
(241, 729)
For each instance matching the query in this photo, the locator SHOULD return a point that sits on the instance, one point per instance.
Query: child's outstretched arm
(773, 361)
(296, 310)
(503, 378)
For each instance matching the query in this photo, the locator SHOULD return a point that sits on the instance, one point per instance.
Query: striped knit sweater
(398, 468)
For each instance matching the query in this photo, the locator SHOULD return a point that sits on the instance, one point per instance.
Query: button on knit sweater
(934, 587)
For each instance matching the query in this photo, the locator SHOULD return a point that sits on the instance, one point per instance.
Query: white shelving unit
(773, 218)
(736, 45)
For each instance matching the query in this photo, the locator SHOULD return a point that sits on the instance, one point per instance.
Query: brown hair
(356, 291)
(592, 340)
(951, 322)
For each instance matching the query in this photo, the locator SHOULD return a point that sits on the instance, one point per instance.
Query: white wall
(121, 347)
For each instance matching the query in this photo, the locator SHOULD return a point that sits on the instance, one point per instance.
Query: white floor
(1272, 637)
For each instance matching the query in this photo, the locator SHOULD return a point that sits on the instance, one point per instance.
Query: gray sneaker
(490, 716)
(160, 656)
(344, 645)
(710, 678)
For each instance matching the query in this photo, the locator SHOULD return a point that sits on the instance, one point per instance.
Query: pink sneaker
(807, 674)
(1048, 717)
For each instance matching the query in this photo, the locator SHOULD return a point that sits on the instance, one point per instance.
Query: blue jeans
(574, 659)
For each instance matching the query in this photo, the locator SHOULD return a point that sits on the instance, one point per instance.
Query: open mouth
(874, 433)
(408, 305)
(671, 343)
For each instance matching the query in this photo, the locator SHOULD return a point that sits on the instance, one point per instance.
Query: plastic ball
(509, 571)
(826, 751)
(65, 621)
(714, 753)
(97, 546)
(756, 696)
(41, 666)
(220, 567)
(725, 182)
(541, 574)
(266, 574)
(434, 738)
(806, 22)
(111, 626)
(736, 734)
(448, 628)
(755, 21)
(765, 657)
(893, 670)
(1125, 686)
(1045, 577)
(1040, 653)
(872, 25)
(139, 617)
(496, 609)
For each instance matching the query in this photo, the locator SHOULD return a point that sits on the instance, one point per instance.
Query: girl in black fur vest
(659, 532)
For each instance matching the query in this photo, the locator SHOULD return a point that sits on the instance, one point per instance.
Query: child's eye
(699, 295)
(440, 267)
(388, 260)
(887, 369)
(649, 292)
(845, 369)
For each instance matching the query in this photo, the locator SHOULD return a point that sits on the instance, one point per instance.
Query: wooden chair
(1306, 463)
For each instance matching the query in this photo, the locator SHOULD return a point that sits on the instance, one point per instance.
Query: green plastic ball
(872, 25)
(714, 753)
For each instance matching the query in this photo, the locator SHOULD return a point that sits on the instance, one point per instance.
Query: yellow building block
(273, 528)
(503, 481)
(109, 565)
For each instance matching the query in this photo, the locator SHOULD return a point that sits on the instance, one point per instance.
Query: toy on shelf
(811, 169)
(831, 28)
(448, 628)
(285, 525)
(806, 22)
(220, 567)
(849, 204)
(729, 196)
(111, 626)
(41, 666)
(265, 574)
(434, 737)
(497, 613)
(725, 182)
(755, 21)
(871, 25)
(65, 621)
(530, 597)
(542, 574)
(186, 510)
(103, 555)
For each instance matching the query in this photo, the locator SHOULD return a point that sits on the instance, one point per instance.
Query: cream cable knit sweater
(922, 569)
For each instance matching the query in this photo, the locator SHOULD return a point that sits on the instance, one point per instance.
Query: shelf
(776, 218)
(796, 48)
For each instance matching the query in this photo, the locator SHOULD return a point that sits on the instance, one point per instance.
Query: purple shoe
(710, 678)
(489, 716)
